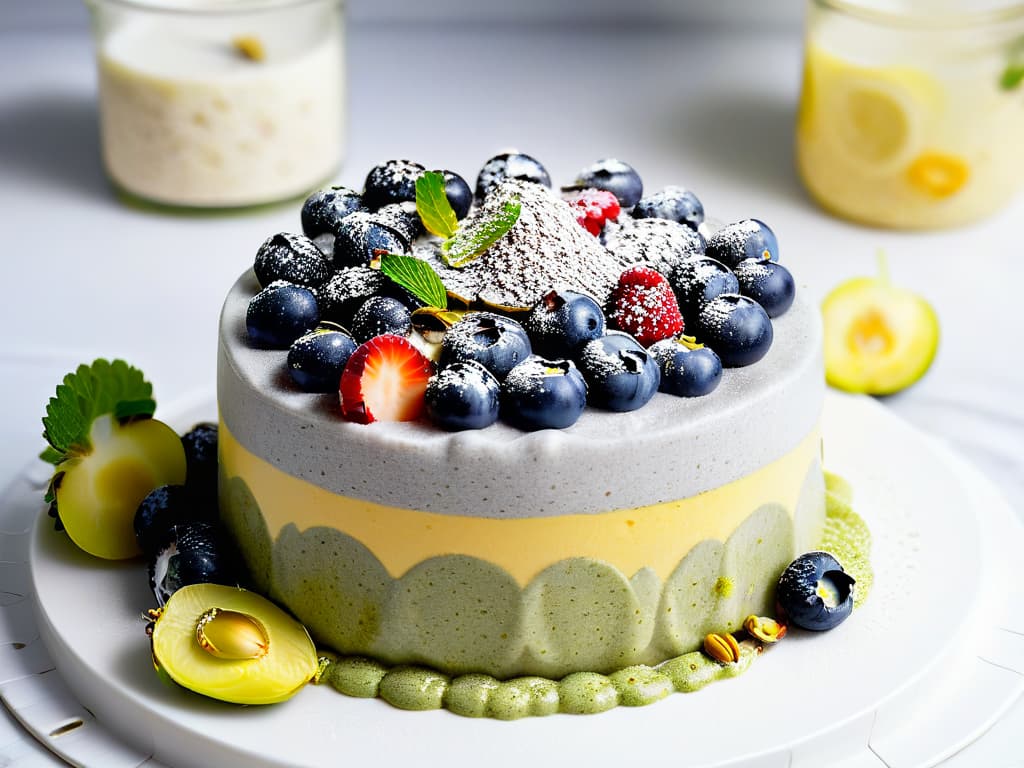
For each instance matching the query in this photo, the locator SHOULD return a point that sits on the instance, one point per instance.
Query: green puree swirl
(474, 695)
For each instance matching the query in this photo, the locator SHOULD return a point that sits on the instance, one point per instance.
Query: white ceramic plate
(810, 694)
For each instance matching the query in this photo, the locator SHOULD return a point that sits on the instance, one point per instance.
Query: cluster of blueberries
(538, 373)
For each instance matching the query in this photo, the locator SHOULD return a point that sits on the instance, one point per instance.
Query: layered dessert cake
(623, 537)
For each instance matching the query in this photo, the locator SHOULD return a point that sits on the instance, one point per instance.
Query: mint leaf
(417, 277)
(433, 207)
(88, 393)
(1012, 77)
(469, 242)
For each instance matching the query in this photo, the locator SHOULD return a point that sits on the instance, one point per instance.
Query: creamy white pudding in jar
(220, 104)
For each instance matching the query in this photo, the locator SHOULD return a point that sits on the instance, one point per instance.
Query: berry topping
(164, 508)
(460, 196)
(815, 592)
(747, 239)
(768, 283)
(543, 394)
(192, 552)
(464, 395)
(593, 207)
(496, 342)
(698, 280)
(687, 369)
(323, 211)
(660, 243)
(361, 239)
(292, 258)
(673, 203)
(384, 380)
(562, 321)
(737, 328)
(279, 314)
(644, 305)
(381, 315)
(200, 444)
(612, 175)
(391, 182)
(402, 218)
(511, 165)
(620, 374)
(316, 360)
(346, 290)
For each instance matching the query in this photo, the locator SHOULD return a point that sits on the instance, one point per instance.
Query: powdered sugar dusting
(661, 243)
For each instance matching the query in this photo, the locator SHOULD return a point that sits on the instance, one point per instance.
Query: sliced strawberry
(384, 380)
(593, 207)
(644, 305)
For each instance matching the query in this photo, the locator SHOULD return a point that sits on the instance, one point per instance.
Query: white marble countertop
(87, 277)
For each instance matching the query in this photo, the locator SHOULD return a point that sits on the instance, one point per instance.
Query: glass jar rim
(208, 7)
(925, 18)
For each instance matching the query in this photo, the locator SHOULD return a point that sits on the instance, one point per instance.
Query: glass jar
(220, 103)
(912, 118)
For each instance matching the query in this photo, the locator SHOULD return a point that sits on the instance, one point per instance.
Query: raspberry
(593, 207)
(644, 305)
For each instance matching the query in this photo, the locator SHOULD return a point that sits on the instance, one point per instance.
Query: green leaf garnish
(469, 242)
(90, 392)
(433, 207)
(417, 277)
(1012, 77)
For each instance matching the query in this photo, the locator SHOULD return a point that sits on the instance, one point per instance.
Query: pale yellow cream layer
(655, 536)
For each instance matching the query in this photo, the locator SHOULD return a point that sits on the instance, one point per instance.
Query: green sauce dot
(640, 685)
(356, 676)
(414, 688)
(468, 695)
(584, 693)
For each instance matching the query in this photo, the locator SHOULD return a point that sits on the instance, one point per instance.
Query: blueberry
(380, 315)
(316, 360)
(292, 258)
(697, 281)
(323, 211)
(673, 203)
(562, 321)
(464, 395)
(162, 509)
(543, 394)
(494, 341)
(768, 283)
(747, 239)
(658, 242)
(402, 218)
(687, 370)
(346, 290)
(511, 165)
(192, 552)
(814, 592)
(361, 239)
(614, 176)
(200, 444)
(460, 196)
(279, 314)
(621, 375)
(737, 328)
(391, 182)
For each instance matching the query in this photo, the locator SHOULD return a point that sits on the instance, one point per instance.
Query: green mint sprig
(90, 392)
(417, 277)
(470, 242)
(1013, 75)
(433, 207)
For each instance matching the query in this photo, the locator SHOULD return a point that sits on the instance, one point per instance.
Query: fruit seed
(765, 629)
(723, 648)
(231, 635)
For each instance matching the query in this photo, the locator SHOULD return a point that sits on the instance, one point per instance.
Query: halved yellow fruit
(97, 494)
(231, 644)
(879, 338)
